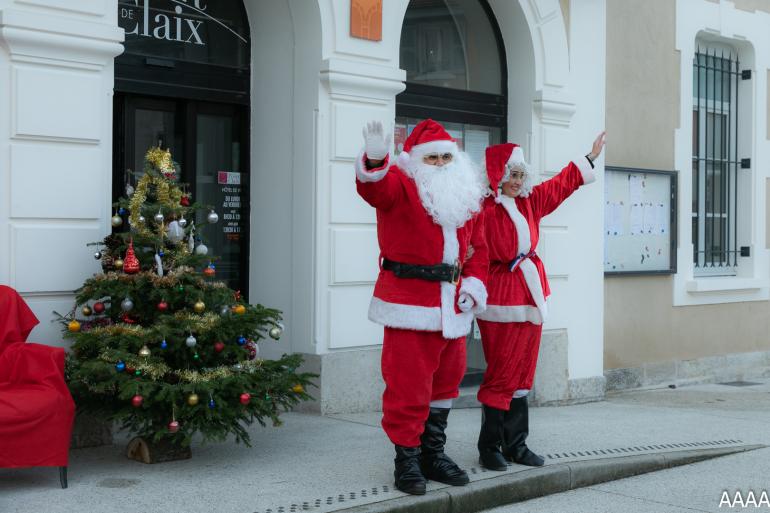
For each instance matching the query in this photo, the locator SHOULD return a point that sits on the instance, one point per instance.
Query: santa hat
(499, 160)
(427, 137)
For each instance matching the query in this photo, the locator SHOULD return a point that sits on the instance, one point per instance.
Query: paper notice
(635, 189)
(637, 220)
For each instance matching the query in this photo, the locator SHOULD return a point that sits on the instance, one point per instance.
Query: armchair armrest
(30, 363)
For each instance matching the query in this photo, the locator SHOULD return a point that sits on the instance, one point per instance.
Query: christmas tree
(158, 344)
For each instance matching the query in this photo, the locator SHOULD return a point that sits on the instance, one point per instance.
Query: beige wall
(565, 15)
(641, 325)
(753, 5)
(642, 71)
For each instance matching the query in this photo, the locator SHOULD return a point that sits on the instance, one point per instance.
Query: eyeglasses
(433, 158)
(517, 175)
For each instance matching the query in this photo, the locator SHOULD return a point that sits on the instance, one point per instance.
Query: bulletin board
(639, 221)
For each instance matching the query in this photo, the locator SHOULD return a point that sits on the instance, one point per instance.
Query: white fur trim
(418, 150)
(403, 159)
(532, 277)
(394, 315)
(476, 289)
(363, 175)
(517, 157)
(453, 325)
(442, 403)
(520, 222)
(518, 394)
(511, 313)
(585, 169)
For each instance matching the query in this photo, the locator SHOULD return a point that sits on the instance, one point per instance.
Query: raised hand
(598, 146)
(376, 143)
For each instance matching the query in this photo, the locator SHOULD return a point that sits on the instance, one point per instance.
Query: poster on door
(230, 199)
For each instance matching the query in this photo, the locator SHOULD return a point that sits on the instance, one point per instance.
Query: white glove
(465, 302)
(376, 143)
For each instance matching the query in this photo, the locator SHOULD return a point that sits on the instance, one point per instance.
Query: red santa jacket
(517, 283)
(408, 234)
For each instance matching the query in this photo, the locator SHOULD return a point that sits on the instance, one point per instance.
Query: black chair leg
(63, 476)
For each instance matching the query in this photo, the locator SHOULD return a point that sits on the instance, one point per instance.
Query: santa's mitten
(465, 302)
(476, 291)
(376, 143)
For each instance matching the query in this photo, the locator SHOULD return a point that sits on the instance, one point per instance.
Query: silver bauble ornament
(191, 341)
(116, 220)
(98, 255)
(158, 217)
(213, 217)
(129, 190)
(142, 219)
(275, 332)
(182, 222)
(127, 305)
(175, 232)
(237, 367)
(225, 310)
(144, 351)
(201, 249)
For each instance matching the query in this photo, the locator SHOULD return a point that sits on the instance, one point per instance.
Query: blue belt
(516, 261)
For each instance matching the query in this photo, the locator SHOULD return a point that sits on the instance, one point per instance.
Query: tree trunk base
(147, 451)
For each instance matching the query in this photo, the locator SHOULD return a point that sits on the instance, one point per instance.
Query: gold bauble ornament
(86, 311)
(239, 309)
(144, 351)
(192, 399)
(118, 263)
(199, 306)
(298, 388)
(73, 326)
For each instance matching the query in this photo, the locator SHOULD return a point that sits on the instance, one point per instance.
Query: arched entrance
(183, 82)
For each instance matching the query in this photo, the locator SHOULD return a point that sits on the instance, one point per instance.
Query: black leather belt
(439, 272)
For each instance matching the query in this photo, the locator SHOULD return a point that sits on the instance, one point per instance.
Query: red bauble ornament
(130, 263)
(245, 398)
(130, 370)
(99, 307)
(162, 306)
(173, 426)
(209, 271)
(137, 400)
(127, 319)
(185, 201)
(219, 346)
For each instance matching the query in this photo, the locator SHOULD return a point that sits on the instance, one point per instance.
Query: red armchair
(36, 408)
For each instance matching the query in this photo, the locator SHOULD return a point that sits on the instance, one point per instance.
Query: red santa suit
(518, 289)
(423, 353)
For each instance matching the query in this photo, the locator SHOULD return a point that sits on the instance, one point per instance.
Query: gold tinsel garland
(158, 370)
(166, 194)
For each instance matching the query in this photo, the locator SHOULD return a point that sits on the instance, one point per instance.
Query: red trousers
(418, 367)
(510, 349)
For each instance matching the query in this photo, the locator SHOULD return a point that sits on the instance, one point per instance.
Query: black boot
(490, 438)
(409, 478)
(515, 432)
(436, 465)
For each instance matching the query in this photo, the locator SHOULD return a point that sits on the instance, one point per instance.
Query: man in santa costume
(517, 305)
(428, 215)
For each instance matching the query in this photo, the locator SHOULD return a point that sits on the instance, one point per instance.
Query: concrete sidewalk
(324, 464)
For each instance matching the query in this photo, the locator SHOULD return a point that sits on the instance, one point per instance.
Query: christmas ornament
(180, 288)
(201, 249)
(137, 401)
(192, 399)
(127, 305)
(163, 344)
(98, 307)
(241, 340)
(127, 318)
(239, 309)
(297, 389)
(73, 326)
(212, 404)
(173, 426)
(98, 255)
(120, 366)
(116, 221)
(121, 211)
(159, 264)
(275, 332)
(86, 310)
(144, 351)
(118, 263)
(158, 217)
(209, 271)
(196, 356)
(253, 349)
(185, 200)
(245, 398)
(224, 310)
(129, 370)
(182, 222)
(237, 367)
(191, 341)
(219, 346)
(199, 306)
(212, 217)
(142, 219)
(175, 231)
(130, 263)
(137, 372)
(129, 190)
(162, 306)
(191, 238)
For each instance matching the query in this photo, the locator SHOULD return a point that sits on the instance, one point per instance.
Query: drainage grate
(643, 448)
(317, 504)
(740, 383)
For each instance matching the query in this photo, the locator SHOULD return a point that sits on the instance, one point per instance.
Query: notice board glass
(639, 221)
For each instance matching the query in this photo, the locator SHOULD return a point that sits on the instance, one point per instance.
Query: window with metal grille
(715, 161)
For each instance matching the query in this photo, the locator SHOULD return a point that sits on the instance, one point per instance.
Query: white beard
(452, 193)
